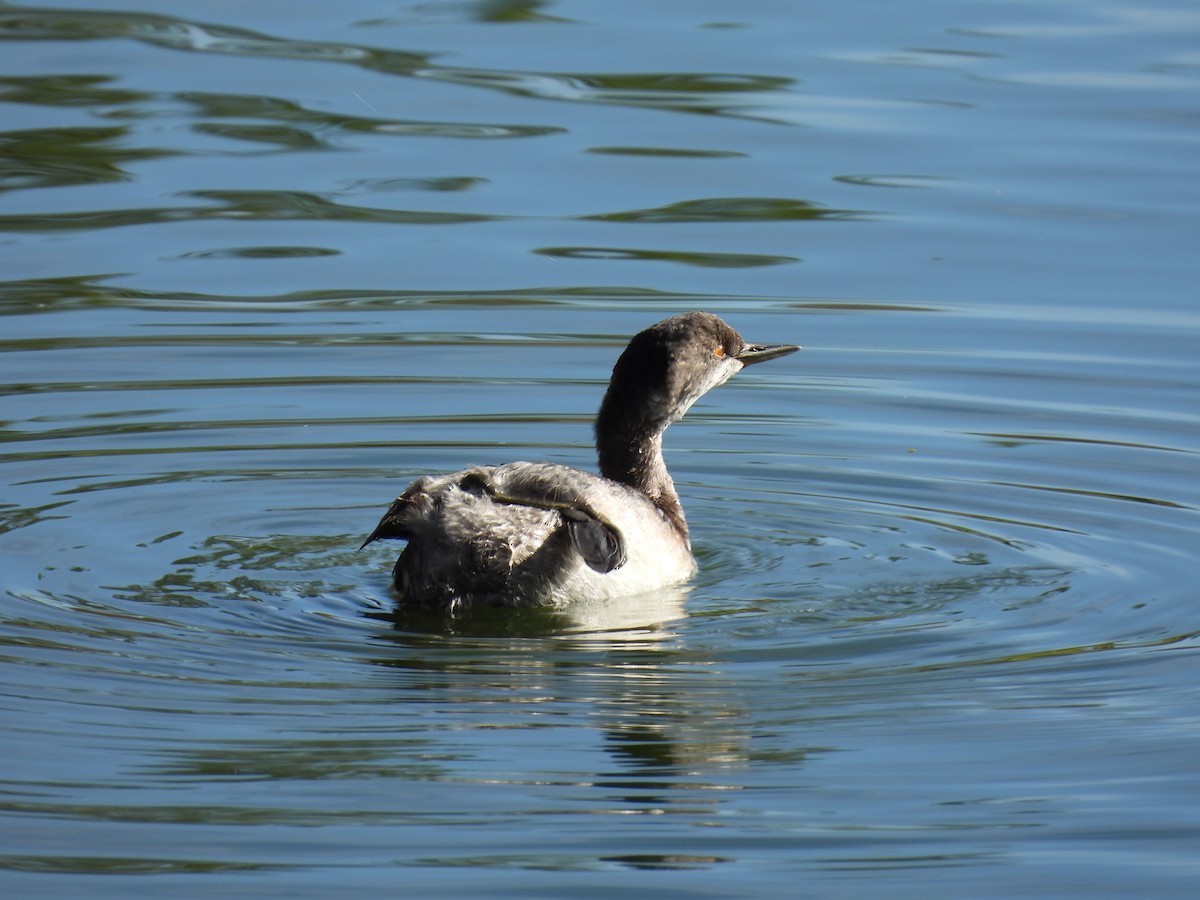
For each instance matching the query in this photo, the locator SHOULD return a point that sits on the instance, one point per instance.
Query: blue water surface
(262, 264)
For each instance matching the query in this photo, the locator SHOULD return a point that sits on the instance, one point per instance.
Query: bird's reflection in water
(641, 617)
(668, 719)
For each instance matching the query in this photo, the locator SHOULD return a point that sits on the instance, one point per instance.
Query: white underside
(657, 555)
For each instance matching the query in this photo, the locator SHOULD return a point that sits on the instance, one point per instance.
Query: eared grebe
(540, 534)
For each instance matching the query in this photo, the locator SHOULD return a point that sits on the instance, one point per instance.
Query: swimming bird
(543, 534)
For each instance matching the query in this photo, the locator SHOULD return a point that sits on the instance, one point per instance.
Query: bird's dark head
(673, 363)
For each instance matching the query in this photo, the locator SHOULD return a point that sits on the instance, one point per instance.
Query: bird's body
(540, 534)
(501, 536)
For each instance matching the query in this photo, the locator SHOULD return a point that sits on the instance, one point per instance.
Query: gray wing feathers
(494, 533)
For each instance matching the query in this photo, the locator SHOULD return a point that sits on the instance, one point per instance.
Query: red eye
(719, 352)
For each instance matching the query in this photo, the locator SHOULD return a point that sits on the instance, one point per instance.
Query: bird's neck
(629, 445)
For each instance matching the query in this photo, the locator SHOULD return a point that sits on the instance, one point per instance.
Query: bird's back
(529, 534)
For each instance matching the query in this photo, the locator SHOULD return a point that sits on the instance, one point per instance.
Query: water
(261, 269)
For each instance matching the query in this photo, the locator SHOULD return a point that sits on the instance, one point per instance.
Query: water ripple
(61, 25)
(747, 96)
(732, 209)
(727, 94)
(251, 205)
(704, 260)
(862, 533)
(61, 157)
